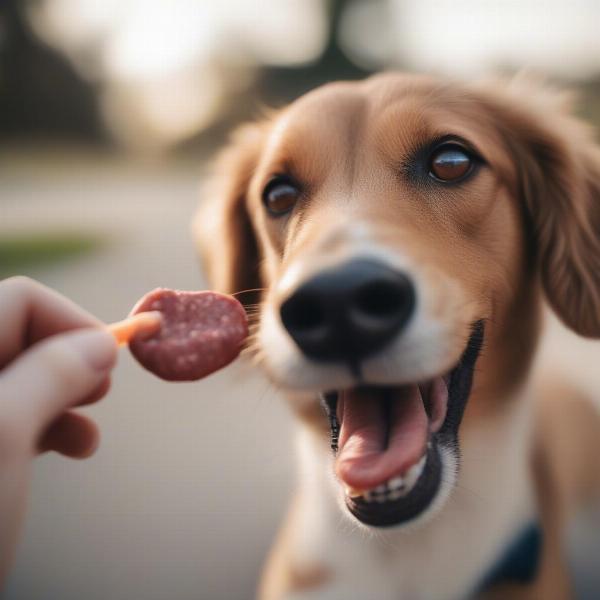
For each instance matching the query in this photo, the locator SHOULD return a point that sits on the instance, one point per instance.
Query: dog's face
(399, 225)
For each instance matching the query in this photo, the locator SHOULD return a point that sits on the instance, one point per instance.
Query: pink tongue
(364, 461)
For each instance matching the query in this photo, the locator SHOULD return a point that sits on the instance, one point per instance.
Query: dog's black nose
(350, 312)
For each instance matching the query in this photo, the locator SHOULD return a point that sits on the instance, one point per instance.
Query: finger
(72, 425)
(54, 375)
(72, 434)
(30, 312)
(97, 394)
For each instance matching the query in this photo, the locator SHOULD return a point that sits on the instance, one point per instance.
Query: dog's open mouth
(388, 440)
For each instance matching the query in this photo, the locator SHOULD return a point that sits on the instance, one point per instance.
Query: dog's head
(401, 229)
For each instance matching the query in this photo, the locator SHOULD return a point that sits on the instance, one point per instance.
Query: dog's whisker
(250, 290)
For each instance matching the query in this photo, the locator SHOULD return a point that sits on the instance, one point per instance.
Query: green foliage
(23, 253)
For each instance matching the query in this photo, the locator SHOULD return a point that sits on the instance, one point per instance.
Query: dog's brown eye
(450, 162)
(280, 196)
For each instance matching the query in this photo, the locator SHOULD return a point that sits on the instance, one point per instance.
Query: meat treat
(199, 333)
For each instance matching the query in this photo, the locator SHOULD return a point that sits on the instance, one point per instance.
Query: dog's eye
(450, 162)
(280, 195)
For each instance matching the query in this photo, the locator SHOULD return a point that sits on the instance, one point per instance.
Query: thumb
(54, 374)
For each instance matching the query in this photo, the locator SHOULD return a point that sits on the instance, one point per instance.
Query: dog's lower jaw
(436, 483)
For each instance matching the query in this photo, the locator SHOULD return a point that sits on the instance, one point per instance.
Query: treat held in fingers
(200, 333)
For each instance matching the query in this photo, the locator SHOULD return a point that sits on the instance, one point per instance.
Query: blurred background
(110, 111)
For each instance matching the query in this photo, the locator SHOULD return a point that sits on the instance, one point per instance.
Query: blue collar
(520, 561)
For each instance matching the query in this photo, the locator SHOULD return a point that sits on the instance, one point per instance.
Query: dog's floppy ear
(222, 229)
(558, 167)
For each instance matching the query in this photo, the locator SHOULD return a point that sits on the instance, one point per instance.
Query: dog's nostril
(379, 299)
(302, 314)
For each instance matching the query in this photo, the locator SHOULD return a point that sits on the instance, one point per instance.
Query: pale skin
(54, 357)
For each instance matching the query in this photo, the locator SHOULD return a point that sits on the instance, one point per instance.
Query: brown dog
(405, 231)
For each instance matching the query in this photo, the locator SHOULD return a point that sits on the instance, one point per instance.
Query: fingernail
(97, 347)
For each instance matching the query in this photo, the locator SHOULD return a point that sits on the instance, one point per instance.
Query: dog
(398, 242)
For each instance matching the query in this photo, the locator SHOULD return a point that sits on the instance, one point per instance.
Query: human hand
(54, 356)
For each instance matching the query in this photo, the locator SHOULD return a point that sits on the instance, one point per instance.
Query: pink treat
(201, 332)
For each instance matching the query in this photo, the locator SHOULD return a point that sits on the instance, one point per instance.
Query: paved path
(190, 480)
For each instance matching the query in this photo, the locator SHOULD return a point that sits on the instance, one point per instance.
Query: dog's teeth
(396, 483)
(413, 474)
(396, 494)
(393, 489)
(353, 492)
(420, 466)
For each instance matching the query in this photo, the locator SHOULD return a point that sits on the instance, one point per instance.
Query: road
(185, 492)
